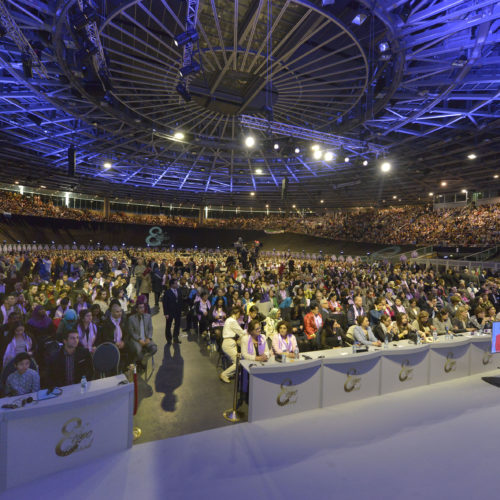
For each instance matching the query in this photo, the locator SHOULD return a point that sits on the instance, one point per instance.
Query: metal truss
(425, 104)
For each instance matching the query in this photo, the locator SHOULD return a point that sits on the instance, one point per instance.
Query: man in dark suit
(68, 365)
(115, 330)
(172, 309)
(355, 310)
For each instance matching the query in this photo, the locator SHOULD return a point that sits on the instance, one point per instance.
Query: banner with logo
(277, 390)
(351, 378)
(56, 434)
(449, 360)
(481, 358)
(404, 368)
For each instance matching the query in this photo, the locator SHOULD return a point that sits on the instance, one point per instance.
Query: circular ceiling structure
(413, 82)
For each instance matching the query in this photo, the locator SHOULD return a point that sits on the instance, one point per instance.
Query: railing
(457, 264)
(483, 254)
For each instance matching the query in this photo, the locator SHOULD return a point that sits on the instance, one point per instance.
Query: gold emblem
(487, 357)
(287, 396)
(76, 437)
(450, 364)
(405, 373)
(353, 383)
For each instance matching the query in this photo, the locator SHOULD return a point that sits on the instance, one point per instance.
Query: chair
(350, 332)
(106, 360)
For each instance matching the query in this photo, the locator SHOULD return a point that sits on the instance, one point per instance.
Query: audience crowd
(418, 225)
(59, 306)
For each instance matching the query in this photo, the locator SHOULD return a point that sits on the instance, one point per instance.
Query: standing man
(231, 333)
(140, 329)
(172, 309)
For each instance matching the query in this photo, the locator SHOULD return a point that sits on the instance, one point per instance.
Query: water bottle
(296, 352)
(83, 385)
(447, 334)
(354, 348)
(386, 342)
(451, 334)
(434, 335)
(419, 340)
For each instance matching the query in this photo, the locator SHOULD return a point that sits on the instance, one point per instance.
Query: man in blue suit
(172, 308)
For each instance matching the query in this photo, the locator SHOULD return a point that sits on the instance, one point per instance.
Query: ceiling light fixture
(189, 36)
(328, 156)
(472, 156)
(179, 136)
(365, 163)
(107, 165)
(317, 154)
(386, 166)
(249, 141)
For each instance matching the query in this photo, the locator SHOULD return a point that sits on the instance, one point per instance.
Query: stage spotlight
(252, 193)
(179, 136)
(183, 92)
(276, 146)
(495, 176)
(383, 47)
(194, 67)
(297, 150)
(258, 171)
(315, 147)
(89, 15)
(431, 194)
(386, 166)
(346, 159)
(249, 141)
(394, 197)
(365, 163)
(322, 201)
(294, 206)
(444, 183)
(189, 36)
(359, 19)
(472, 156)
(107, 165)
(328, 156)
(317, 154)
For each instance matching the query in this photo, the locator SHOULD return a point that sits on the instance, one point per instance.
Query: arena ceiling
(411, 82)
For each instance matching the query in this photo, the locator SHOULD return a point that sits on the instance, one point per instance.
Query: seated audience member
(313, 322)
(115, 330)
(402, 329)
(141, 334)
(333, 304)
(202, 308)
(442, 322)
(398, 307)
(82, 302)
(68, 365)
(461, 321)
(63, 306)
(14, 317)
(422, 326)
(271, 322)
(67, 324)
(284, 342)
(87, 330)
(217, 317)
(491, 316)
(24, 380)
(413, 310)
(356, 310)
(297, 315)
(376, 313)
(363, 333)
(101, 299)
(231, 332)
(253, 344)
(453, 306)
(386, 328)
(478, 321)
(97, 315)
(17, 341)
(40, 326)
(333, 335)
(7, 307)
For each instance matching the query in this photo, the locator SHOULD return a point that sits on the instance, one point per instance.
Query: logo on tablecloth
(353, 382)
(487, 357)
(287, 396)
(76, 437)
(450, 364)
(406, 372)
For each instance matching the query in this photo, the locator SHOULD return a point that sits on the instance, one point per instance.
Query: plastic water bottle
(83, 385)
(447, 333)
(354, 348)
(386, 342)
(434, 335)
(419, 340)
(451, 334)
(296, 352)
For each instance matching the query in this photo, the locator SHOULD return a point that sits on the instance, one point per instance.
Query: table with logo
(50, 435)
(336, 376)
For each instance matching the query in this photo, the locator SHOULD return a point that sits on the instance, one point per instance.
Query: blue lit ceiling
(418, 79)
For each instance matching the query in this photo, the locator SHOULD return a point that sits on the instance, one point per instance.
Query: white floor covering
(434, 442)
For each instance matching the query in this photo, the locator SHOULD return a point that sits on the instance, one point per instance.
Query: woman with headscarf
(67, 324)
(272, 320)
(40, 326)
(17, 341)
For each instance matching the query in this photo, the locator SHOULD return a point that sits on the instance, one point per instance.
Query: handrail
(483, 254)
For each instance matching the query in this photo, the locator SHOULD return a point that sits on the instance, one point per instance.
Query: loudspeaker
(284, 188)
(71, 161)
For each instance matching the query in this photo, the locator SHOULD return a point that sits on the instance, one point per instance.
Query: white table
(278, 389)
(337, 376)
(54, 434)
